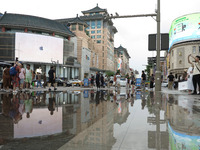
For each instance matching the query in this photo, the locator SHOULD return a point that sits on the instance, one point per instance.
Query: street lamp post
(158, 72)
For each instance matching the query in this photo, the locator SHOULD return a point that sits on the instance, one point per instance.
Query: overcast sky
(132, 33)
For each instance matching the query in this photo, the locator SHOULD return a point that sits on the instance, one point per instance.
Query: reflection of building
(121, 54)
(40, 42)
(183, 40)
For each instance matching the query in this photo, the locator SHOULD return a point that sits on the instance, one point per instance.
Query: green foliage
(109, 73)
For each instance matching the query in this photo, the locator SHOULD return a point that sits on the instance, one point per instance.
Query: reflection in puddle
(107, 118)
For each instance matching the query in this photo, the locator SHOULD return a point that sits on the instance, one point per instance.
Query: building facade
(102, 32)
(39, 42)
(122, 60)
(184, 39)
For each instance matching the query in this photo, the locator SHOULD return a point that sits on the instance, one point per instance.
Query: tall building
(122, 60)
(87, 49)
(102, 32)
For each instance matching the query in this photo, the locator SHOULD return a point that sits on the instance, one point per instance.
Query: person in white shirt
(118, 76)
(196, 72)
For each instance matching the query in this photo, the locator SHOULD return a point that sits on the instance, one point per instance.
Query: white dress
(190, 75)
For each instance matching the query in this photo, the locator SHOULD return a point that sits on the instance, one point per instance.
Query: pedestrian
(28, 76)
(22, 77)
(118, 77)
(45, 80)
(176, 81)
(132, 81)
(52, 78)
(102, 80)
(143, 80)
(128, 80)
(92, 80)
(170, 81)
(38, 79)
(196, 72)
(152, 81)
(6, 78)
(97, 80)
(15, 76)
(189, 79)
(115, 80)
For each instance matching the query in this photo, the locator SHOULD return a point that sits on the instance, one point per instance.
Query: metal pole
(158, 72)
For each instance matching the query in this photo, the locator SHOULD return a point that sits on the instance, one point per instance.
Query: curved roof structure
(95, 10)
(34, 23)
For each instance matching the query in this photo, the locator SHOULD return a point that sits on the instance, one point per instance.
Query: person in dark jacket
(97, 80)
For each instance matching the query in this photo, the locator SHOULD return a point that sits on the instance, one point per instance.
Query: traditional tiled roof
(34, 23)
(78, 20)
(95, 10)
(121, 48)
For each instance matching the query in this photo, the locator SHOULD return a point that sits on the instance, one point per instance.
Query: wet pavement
(86, 119)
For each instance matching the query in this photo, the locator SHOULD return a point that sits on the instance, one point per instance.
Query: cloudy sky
(132, 33)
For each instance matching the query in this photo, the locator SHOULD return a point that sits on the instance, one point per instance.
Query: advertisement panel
(185, 28)
(38, 48)
(119, 64)
(183, 141)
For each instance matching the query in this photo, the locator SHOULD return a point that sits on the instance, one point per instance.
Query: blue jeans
(39, 82)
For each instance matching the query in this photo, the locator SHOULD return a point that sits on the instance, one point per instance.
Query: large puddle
(105, 119)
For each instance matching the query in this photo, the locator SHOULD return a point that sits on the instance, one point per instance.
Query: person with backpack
(14, 73)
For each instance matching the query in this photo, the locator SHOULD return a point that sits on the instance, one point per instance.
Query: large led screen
(185, 28)
(38, 48)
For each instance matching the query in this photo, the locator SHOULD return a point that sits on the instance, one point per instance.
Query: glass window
(88, 22)
(93, 36)
(92, 24)
(98, 36)
(80, 27)
(73, 27)
(199, 49)
(99, 24)
(98, 41)
(98, 31)
(92, 32)
(193, 49)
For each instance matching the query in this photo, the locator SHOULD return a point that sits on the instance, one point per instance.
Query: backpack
(13, 71)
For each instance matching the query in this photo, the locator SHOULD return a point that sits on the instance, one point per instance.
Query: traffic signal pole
(158, 72)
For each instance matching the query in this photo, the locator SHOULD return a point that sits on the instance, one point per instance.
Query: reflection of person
(28, 103)
(196, 72)
(52, 103)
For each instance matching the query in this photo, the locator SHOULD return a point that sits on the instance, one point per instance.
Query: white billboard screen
(38, 48)
(185, 28)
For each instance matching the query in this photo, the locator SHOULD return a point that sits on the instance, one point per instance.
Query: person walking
(189, 79)
(176, 81)
(97, 80)
(52, 78)
(170, 81)
(132, 82)
(92, 80)
(128, 80)
(6, 78)
(22, 77)
(143, 77)
(152, 81)
(15, 77)
(28, 76)
(196, 72)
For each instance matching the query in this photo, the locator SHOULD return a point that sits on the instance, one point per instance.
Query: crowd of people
(19, 78)
(191, 75)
